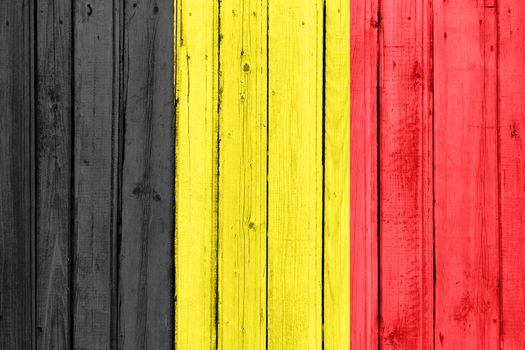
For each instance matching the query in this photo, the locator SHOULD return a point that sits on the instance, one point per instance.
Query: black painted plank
(96, 45)
(146, 265)
(53, 177)
(16, 116)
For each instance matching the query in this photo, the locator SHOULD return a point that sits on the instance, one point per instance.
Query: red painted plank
(363, 167)
(466, 175)
(406, 263)
(511, 78)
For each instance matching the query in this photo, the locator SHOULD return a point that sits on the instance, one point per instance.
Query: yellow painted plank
(242, 183)
(295, 176)
(337, 176)
(196, 67)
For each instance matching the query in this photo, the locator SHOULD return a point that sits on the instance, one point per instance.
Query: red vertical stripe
(363, 182)
(466, 175)
(448, 185)
(406, 282)
(511, 67)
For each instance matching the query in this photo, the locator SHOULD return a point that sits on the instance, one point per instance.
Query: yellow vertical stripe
(295, 174)
(242, 181)
(249, 118)
(196, 44)
(337, 176)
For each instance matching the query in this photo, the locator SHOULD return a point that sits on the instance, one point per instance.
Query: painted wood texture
(196, 169)
(511, 84)
(336, 291)
(450, 175)
(16, 175)
(54, 214)
(364, 60)
(243, 120)
(95, 160)
(466, 176)
(405, 173)
(87, 230)
(295, 174)
(262, 174)
(146, 235)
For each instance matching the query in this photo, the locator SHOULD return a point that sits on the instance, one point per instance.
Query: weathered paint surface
(243, 120)
(262, 174)
(466, 176)
(248, 132)
(511, 129)
(405, 175)
(86, 174)
(449, 183)
(17, 176)
(295, 175)
(337, 176)
(196, 81)
(364, 61)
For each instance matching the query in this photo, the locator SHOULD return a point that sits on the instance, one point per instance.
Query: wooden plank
(196, 173)
(511, 84)
(363, 169)
(146, 255)
(406, 193)
(54, 176)
(295, 176)
(95, 140)
(337, 175)
(16, 175)
(242, 184)
(466, 175)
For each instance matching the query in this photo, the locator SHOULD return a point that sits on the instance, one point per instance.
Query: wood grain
(364, 49)
(242, 180)
(295, 178)
(16, 175)
(196, 173)
(68, 193)
(146, 247)
(511, 84)
(100, 194)
(96, 138)
(405, 186)
(336, 279)
(54, 117)
(466, 176)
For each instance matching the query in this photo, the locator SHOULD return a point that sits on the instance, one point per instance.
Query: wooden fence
(437, 175)
(86, 174)
(174, 174)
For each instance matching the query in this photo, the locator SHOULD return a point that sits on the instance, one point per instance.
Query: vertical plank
(511, 83)
(16, 176)
(53, 177)
(363, 169)
(295, 176)
(146, 255)
(242, 182)
(337, 176)
(95, 137)
(405, 158)
(466, 175)
(196, 173)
